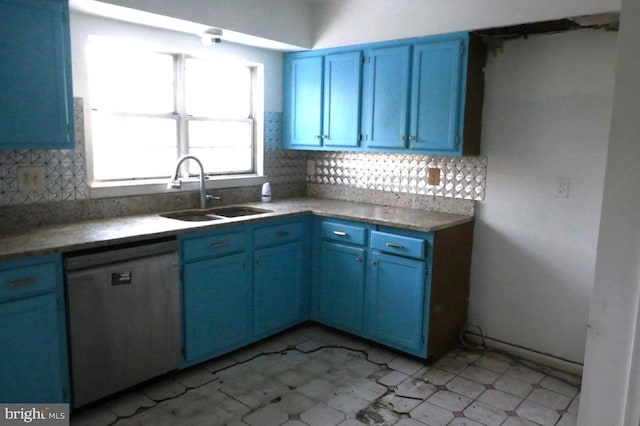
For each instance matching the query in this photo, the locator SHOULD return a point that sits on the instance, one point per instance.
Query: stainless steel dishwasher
(124, 317)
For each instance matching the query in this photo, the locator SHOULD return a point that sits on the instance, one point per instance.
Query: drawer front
(398, 244)
(351, 234)
(213, 246)
(22, 281)
(278, 234)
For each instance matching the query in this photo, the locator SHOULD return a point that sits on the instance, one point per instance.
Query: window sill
(159, 186)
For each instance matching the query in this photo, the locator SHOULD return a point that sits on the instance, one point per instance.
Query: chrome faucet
(176, 183)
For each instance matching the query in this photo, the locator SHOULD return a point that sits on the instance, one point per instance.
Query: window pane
(217, 90)
(130, 81)
(132, 147)
(222, 146)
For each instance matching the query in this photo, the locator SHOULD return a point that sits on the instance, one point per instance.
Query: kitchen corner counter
(120, 230)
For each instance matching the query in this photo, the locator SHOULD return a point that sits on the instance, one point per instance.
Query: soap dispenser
(266, 192)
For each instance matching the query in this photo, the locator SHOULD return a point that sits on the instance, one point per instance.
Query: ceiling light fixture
(211, 36)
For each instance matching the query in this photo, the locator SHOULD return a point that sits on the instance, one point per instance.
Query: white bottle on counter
(266, 192)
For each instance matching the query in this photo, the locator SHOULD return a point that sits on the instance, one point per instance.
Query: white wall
(611, 384)
(83, 25)
(286, 21)
(342, 22)
(546, 114)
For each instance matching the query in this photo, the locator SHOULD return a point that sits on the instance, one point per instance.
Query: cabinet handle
(219, 245)
(325, 136)
(23, 282)
(281, 234)
(402, 138)
(395, 246)
(358, 259)
(340, 233)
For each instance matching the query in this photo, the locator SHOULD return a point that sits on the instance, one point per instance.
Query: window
(150, 108)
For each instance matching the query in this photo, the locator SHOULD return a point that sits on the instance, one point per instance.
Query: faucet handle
(174, 184)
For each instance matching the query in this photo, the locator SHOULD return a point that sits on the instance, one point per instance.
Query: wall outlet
(311, 167)
(561, 188)
(433, 177)
(31, 178)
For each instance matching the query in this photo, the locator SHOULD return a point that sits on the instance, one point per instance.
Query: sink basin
(193, 216)
(197, 215)
(236, 211)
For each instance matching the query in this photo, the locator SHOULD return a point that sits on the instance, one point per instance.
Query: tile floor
(314, 376)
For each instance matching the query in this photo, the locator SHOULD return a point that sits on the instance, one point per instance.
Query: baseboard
(564, 365)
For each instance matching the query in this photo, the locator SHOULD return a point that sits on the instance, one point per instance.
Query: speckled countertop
(98, 233)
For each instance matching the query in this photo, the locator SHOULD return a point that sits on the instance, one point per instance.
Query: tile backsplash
(65, 172)
(281, 166)
(460, 177)
(366, 177)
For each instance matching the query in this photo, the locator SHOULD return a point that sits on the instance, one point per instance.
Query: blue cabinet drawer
(398, 244)
(351, 234)
(18, 282)
(278, 234)
(213, 246)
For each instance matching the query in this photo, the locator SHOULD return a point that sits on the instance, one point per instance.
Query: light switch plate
(311, 167)
(31, 178)
(561, 188)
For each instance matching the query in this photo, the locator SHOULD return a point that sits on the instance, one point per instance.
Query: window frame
(154, 185)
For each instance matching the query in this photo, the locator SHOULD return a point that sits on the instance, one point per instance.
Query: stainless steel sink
(236, 211)
(199, 215)
(192, 216)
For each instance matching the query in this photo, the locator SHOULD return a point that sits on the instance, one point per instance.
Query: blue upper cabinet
(322, 100)
(385, 97)
(421, 96)
(303, 97)
(435, 123)
(342, 79)
(35, 75)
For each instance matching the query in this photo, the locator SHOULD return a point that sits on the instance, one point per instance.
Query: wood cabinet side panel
(449, 287)
(474, 97)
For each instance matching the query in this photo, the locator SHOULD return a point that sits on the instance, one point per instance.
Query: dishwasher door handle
(121, 278)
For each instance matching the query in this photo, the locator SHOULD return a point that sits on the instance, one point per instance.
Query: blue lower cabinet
(217, 306)
(241, 284)
(278, 281)
(33, 354)
(395, 303)
(339, 296)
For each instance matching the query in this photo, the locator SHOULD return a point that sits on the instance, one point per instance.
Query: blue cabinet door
(277, 288)
(342, 81)
(386, 97)
(396, 301)
(217, 307)
(436, 96)
(303, 103)
(35, 85)
(339, 296)
(32, 369)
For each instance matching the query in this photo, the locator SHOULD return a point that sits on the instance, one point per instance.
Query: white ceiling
(296, 24)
